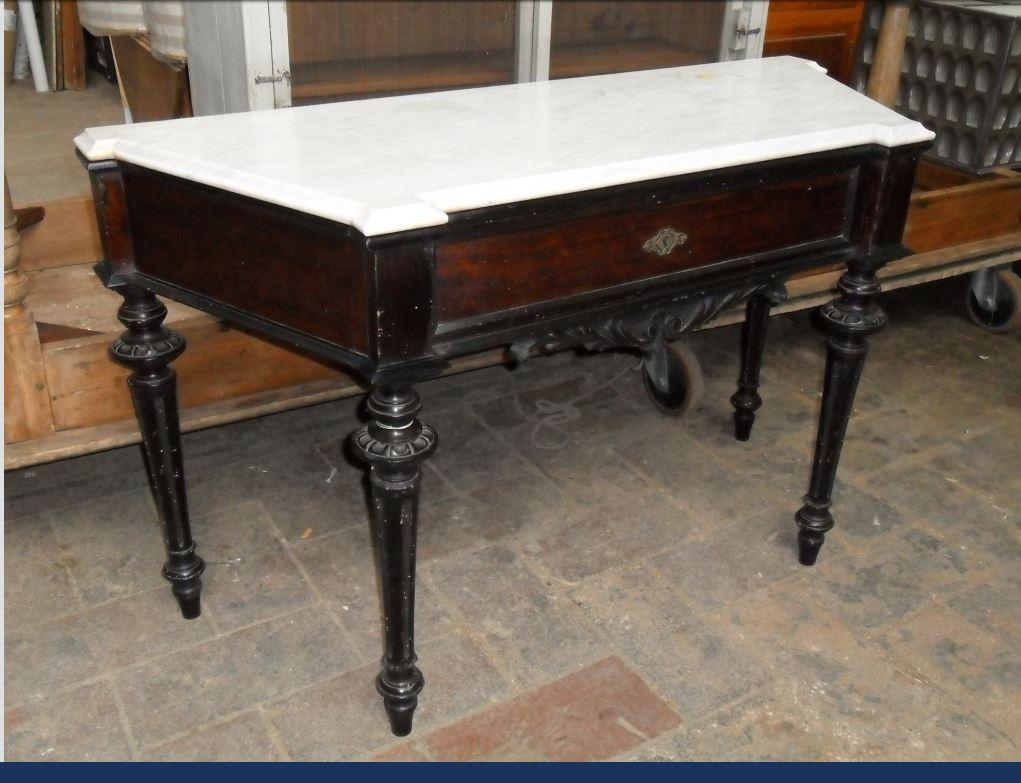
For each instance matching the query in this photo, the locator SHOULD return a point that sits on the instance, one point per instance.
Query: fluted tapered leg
(746, 399)
(848, 320)
(147, 348)
(393, 444)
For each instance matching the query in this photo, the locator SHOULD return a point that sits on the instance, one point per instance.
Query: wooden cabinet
(350, 49)
(593, 36)
(825, 31)
(359, 49)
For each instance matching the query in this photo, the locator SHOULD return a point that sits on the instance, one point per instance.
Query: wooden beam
(72, 43)
(884, 77)
(27, 412)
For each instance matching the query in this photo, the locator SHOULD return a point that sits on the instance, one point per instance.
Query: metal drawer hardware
(279, 76)
(665, 241)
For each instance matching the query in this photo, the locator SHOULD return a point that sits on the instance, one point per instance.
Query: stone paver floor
(605, 583)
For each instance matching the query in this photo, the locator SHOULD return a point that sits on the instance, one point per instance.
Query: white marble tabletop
(392, 164)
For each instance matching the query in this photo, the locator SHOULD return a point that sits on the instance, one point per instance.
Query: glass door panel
(603, 36)
(350, 49)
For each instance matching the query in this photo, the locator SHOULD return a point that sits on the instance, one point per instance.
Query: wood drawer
(667, 233)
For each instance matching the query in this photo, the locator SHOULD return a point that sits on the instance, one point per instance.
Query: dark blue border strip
(827, 772)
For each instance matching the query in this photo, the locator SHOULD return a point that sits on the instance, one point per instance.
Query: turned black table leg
(147, 348)
(393, 443)
(746, 399)
(848, 320)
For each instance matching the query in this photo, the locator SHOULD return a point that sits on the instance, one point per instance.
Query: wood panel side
(402, 296)
(302, 272)
(882, 200)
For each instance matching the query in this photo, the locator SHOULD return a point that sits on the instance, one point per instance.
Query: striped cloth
(110, 17)
(163, 21)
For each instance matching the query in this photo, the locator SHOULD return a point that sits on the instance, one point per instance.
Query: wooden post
(10, 38)
(884, 78)
(72, 44)
(27, 412)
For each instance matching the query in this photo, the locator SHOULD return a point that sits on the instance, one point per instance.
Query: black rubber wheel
(1006, 315)
(673, 379)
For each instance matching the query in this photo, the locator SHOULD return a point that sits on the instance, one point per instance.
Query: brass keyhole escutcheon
(665, 241)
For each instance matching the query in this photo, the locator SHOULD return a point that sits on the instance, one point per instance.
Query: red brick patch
(591, 715)
(408, 751)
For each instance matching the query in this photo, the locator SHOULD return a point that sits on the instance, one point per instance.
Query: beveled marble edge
(350, 212)
(432, 207)
(459, 199)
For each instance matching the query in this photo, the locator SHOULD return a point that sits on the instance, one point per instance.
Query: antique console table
(393, 234)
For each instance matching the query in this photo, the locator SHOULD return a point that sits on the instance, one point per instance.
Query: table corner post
(147, 348)
(393, 444)
(848, 320)
(878, 216)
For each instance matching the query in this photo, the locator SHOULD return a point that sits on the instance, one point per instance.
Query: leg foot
(809, 544)
(185, 583)
(746, 399)
(743, 421)
(188, 598)
(400, 699)
(393, 444)
(813, 524)
(147, 348)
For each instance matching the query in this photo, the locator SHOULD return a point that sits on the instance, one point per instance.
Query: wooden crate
(950, 207)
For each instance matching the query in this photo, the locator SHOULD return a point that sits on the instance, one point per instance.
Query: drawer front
(570, 257)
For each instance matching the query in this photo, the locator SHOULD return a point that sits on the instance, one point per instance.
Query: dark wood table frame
(630, 266)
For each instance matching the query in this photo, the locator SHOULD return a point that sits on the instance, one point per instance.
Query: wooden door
(825, 31)
(596, 36)
(351, 49)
